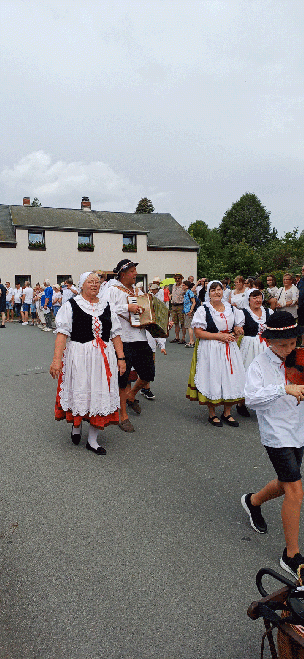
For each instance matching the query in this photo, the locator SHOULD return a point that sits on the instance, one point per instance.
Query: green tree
(211, 257)
(36, 202)
(145, 206)
(247, 220)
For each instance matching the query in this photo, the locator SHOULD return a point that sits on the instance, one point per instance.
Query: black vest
(251, 327)
(211, 326)
(82, 324)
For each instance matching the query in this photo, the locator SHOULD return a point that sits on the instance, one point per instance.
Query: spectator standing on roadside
(48, 292)
(9, 305)
(2, 304)
(177, 309)
(188, 308)
(167, 296)
(56, 299)
(69, 291)
(16, 300)
(27, 297)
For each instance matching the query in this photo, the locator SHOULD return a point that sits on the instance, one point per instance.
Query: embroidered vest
(251, 327)
(82, 331)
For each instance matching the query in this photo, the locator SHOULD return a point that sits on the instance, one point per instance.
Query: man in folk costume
(137, 351)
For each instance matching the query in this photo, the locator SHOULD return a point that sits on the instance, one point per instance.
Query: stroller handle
(271, 573)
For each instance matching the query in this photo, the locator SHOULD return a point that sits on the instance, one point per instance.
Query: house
(39, 242)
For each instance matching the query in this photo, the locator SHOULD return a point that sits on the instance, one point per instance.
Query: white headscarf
(248, 293)
(214, 281)
(82, 279)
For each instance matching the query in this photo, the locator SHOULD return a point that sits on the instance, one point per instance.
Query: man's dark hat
(124, 265)
(282, 325)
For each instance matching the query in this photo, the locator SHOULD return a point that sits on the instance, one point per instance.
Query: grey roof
(7, 231)
(73, 219)
(163, 231)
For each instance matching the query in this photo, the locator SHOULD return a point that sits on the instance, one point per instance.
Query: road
(145, 553)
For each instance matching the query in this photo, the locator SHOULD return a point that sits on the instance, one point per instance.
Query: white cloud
(63, 184)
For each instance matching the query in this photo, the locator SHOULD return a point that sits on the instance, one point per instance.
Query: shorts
(25, 307)
(286, 462)
(188, 320)
(140, 356)
(9, 305)
(177, 314)
(34, 315)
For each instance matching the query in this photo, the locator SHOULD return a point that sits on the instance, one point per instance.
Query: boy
(281, 424)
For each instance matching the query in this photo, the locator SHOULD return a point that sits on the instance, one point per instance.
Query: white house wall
(62, 257)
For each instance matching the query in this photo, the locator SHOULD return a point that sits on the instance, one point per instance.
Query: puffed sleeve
(116, 326)
(64, 319)
(199, 318)
(257, 396)
(239, 318)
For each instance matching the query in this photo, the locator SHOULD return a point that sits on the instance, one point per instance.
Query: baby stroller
(289, 622)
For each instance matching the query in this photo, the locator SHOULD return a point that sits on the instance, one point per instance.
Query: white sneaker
(24, 323)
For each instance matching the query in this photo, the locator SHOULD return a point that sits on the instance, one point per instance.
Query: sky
(189, 104)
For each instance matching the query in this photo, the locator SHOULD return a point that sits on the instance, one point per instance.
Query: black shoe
(291, 565)
(100, 450)
(230, 420)
(75, 438)
(147, 393)
(216, 424)
(242, 410)
(256, 518)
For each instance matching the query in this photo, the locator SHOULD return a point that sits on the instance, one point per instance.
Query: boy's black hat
(124, 265)
(282, 325)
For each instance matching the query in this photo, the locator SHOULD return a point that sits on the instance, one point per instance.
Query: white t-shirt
(28, 293)
(9, 294)
(17, 295)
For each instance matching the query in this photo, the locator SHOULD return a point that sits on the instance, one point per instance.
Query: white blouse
(223, 319)
(64, 317)
(239, 299)
(281, 420)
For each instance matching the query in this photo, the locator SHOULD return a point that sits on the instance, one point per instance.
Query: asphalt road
(145, 553)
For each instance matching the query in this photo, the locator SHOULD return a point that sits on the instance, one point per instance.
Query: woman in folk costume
(217, 374)
(252, 345)
(86, 363)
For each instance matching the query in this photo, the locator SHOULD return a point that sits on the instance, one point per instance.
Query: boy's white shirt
(281, 420)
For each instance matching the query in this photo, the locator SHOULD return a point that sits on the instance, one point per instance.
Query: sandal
(126, 425)
(189, 345)
(230, 420)
(182, 342)
(135, 405)
(214, 423)
(174, 341)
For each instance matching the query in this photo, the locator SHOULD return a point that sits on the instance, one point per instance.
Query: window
(85, 241)
(129, 242)
(62, 278)
(21, 279)
(36, 240)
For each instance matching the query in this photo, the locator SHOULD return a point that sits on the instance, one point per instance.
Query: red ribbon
(228, 353)
(102, 345)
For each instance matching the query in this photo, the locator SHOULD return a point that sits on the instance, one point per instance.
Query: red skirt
(96, 421)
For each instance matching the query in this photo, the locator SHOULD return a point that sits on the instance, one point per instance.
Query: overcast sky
(190, 104)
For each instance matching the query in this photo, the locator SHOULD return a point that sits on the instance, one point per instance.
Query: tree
(247, 220)
(36, 202)
(145, 206)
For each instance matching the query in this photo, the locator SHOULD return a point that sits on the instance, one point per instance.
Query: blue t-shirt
(49, 294)
(188, 299)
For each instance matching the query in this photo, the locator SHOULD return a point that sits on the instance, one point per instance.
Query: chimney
(85, 204)
(26, 201)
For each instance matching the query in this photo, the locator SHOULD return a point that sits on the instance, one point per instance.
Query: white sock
(76, 431)
(92, 437)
